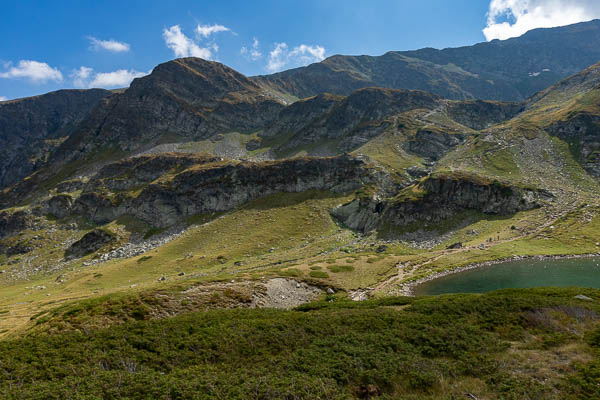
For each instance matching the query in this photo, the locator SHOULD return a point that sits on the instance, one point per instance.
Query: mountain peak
(194, 79)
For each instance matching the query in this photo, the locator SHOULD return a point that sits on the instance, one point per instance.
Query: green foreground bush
(387, 348)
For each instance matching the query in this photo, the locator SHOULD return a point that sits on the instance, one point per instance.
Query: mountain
(130, 221)
(182, 100)
(32, 127)
(507, 70)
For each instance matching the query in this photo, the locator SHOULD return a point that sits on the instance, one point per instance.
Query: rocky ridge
(436, 199)
(205, 187)
(31, 128)
(508, 70)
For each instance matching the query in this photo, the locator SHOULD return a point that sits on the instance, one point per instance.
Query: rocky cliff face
(479, 114)
(135, 172)
(14, 222)
(508, 70)
(90, 243)
(582, 132)
(437, 199)
(301, 114)
(433, 144)
(31, 128)
(211, 187)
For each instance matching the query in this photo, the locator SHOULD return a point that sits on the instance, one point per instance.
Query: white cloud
(81, 76)
(183, 46)
(510, 18)
(304, 54)
(252, 53)
(85, 77)
(281, 57)
(277, 57)
(207, 30)
(2, 98)
(35, 71)
(119, 78)
(110, 45)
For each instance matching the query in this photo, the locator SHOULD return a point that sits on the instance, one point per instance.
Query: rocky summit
(355, 178)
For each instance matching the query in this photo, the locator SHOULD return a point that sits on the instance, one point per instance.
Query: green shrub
(340, 268)
(293, 272)
(319, 274)
(436, 347)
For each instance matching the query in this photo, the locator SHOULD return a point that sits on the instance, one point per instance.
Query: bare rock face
(210, 186)
(440, 198)
(226, 187)
(582, 132)
(301, 113)
(31, 128)
(480, 114)
(433, 144)
(89, 243)
(137, 171)
(11, 223)
(58, 206)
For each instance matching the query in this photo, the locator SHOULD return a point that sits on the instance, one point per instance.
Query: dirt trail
(401, 268)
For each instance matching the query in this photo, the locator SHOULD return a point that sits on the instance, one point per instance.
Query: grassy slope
(266, 234)
(512, 344)
(303, 237)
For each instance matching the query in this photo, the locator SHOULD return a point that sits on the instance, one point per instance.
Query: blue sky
(48, 45)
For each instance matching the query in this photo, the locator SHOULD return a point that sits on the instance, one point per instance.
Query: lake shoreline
(407, 289)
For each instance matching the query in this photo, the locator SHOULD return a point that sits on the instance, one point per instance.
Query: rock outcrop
(134, 172)
(31, 128)
(90, 243)
(582, 132)
(14, 222)
(480, 114)
(433, 144)
(436, 199)
(216, 187)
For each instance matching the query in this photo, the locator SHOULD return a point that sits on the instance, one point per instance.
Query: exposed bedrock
(31, 128)
(136, 171)
(437, 199)
(11, 223)
(582, 132)
(219, 187)
(433, 144)
(480, 114)
(90, 243)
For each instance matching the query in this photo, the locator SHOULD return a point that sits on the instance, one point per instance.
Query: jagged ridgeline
(361, 174)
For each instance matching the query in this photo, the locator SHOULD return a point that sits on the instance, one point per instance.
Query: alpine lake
(527, 273)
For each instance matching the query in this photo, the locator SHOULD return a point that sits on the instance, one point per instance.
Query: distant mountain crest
(507, 70)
